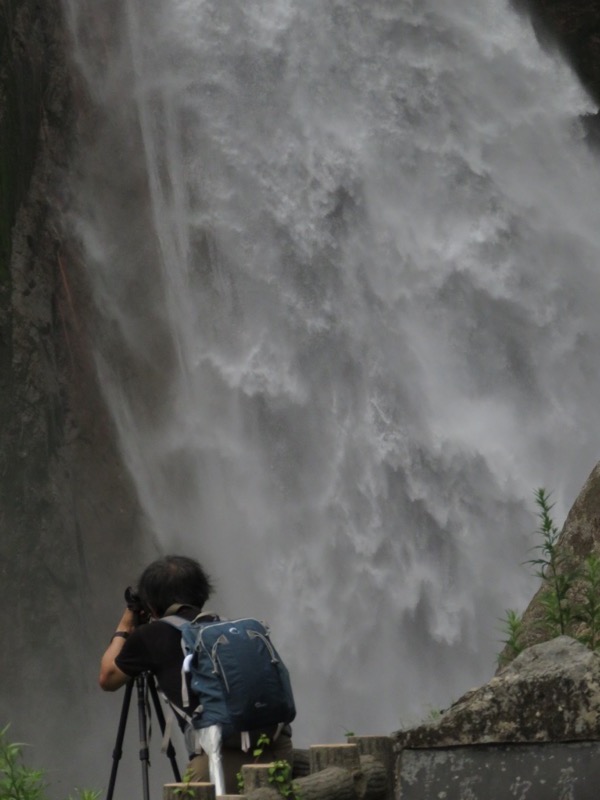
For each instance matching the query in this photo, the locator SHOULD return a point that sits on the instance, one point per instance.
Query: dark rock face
(21, 76)
(69, 522)
(549, 693)
(575, 26)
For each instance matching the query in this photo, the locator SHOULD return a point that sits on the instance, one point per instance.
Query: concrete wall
(552, 771)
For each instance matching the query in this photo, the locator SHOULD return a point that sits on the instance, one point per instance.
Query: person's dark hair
(174, 579)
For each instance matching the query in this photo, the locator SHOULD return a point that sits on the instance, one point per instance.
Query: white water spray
(344, 257)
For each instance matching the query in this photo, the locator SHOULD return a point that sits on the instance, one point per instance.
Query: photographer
(174, 585)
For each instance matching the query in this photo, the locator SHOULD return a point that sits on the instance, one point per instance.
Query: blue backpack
(236, 672)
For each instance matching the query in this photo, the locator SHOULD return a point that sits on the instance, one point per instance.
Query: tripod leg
(161, 719)
(118, 749)
(140, 682)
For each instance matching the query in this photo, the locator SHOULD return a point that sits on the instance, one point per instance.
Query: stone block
(552, 771)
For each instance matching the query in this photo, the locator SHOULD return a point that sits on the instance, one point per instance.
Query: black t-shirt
(156, 647)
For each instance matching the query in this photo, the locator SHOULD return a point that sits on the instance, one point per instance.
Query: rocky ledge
(549, 693)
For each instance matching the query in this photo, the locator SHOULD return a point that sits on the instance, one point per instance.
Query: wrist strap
(121, 634)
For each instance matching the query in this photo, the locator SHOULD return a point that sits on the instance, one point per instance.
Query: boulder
(549, 693)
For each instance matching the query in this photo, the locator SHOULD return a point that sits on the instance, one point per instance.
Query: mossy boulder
(549, 693)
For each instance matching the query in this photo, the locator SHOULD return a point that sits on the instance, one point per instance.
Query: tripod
(144, 683)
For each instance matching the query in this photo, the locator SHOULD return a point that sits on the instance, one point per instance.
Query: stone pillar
(380, 747)
(382, 750)
(334, 755)
(256, 776)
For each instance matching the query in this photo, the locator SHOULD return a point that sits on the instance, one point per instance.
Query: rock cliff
(573, 25)
(68, 517)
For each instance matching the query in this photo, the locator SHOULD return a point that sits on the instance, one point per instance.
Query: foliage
(262, 743)
(240, 782)
(280, 775)
(553, 568)
(587, 611)
(19, 782)
(185, 791)
(86, 794)
(570, 596)
(434, 715)
(280, 772)
(513, 627)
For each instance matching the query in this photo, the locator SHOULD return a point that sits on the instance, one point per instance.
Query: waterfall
(344, 262)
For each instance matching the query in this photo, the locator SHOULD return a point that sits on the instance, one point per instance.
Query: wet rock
(574, 26)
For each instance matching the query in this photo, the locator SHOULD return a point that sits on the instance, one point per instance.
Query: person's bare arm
(111, 677)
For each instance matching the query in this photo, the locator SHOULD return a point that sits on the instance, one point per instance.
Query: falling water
(344, 257)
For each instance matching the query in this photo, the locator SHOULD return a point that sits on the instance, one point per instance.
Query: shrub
(20, 782)
(570, 596)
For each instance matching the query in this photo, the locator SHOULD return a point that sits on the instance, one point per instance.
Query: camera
(135, 604)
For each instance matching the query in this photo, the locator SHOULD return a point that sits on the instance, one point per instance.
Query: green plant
(280, 775)
(513, 628)
(554, 569)
(434, 715)
(19, 782)
(86, 794)
(262, 743)
(570, 596)
(240, 782)
(587, 611)
(184, 791)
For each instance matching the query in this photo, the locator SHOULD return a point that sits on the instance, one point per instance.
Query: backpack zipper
(214, 656)
(216, 661)
(267, 643)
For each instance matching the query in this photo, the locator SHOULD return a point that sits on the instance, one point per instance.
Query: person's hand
(111, 677)
(128, 620)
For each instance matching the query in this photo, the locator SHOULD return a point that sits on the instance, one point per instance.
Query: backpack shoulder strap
(207, 616)
(174, 620)
(178, 622)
